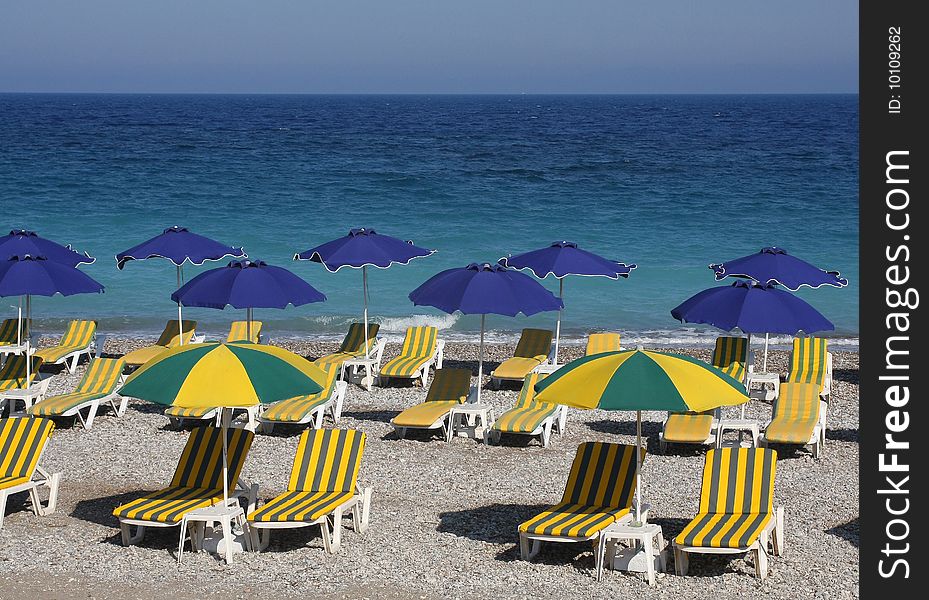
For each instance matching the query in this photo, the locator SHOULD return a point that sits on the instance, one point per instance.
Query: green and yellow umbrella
(233, 375)
(641, 380)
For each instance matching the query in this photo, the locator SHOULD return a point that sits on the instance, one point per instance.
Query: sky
(429, 46)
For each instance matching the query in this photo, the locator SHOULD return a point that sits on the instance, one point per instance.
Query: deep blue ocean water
(671, 183)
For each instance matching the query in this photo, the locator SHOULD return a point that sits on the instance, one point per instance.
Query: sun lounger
(308, 409)
(532, 350)
(449, 388)
(239, 331)
(323, 484)
(598, 343)
(12, 339)
(98, 386)
(169, 339)
(79, 339)
(353, 345)
(599, 492)
(22, 443)
(421, 349)
(14, 385)
(731, 356)
(197, 483)
(736, 513)
(799, 417)
(528, 417)
(811, 362)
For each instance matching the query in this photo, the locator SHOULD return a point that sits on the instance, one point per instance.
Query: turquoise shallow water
(671, 183)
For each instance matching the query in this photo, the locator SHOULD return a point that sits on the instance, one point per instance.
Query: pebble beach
(444, 516)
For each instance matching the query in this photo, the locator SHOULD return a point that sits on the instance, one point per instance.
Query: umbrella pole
(28, 354)
(364, 288)
(638, 466)
(180, 320)
(558, 324)
(225, 460)
(765, 367)
(480, 361)
(248, 324)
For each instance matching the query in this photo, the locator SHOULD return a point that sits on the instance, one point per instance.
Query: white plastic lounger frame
(530, 543)
(34, 393)
(251, 416)
(359, 504)
(817, 441)
(770, 539)
(351, 372)
(422, 372)
(116, 402)
(709, 441)
(556, 421)
(314, 416)
(40, 478)
(92, 350)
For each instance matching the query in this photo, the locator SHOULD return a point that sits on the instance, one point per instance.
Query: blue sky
(430, 46)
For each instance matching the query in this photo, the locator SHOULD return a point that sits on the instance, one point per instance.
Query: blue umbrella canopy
(485, 289)
(21, 242)
(775, 265)
(562, 259)
(179, 245)
(247, 284)
(361, 248)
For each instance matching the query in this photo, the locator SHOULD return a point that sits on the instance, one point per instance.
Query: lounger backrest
(731, 355)
(102, 376)
(327, 460)
(13, 372)
(738, 481)
(527, 392)
(602, 474)
(602, 342)
(79, 334)
(534, 343)
(419, 342)
(449, 384)
(8, 331)
(21, 443)
(332, 371)
(239, 330)
(808, 360)
(201, 462)
(797, 403)
(354, 340)
(170, 338)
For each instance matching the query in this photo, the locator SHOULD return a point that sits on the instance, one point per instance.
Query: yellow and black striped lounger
(421, 348)
(597, 343)
(80, 338)
(528, 417)
(531, 351)
(197, 483)
(323, 483)
(736, 513)
(308, 409)
(449, 388)
(13, 377)
(811, 362)
(599, 492)
(12, 339)
(169, 339)
(799, 418)
(239, 331)
(730, 356)
(98, 385)
(353, 345)
(22, 442)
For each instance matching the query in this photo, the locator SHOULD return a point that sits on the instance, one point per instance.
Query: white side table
(764, 379)
(467, 419)
(27, 396)
(353, 365)
(739, 425)
(547, 368)
(646, 539)
(197, 520)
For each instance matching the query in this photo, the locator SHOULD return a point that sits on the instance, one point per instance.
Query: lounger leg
(3, 496)
(400, 431)
(535, 549)
(88, 422)
(361, 511)
(327, 542)
(523, 547)
(51, 482)
(681, 561)
(126, 531)
(761, 557)
(318, 422)
(265, 427)
(72, 364)
(778, 536)
(546, 433)
(119, 409)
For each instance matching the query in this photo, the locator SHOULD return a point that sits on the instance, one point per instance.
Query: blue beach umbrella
(38, 276)
(21, 242)
(753, 308)
(360, 249)
(247, 284)
(775, 265)
(483, 289)
(179, 245)
(562, 259)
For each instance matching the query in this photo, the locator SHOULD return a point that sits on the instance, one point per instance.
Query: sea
(671, 183)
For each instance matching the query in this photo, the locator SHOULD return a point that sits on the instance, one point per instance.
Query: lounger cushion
(731, 355)
(239, 330)
(419, 346)
(169, 505)
(8, 482)
(179, 412)
(21, 443)
(689, 428)
(796, 413)
(299, 506)
(10, 331)
(99, 381)
(572, 520)
(55, 406)
(602, 342)
(518, 367)
(143, 355)
(716, 530)
(13, 372)
(295, 410)
(55, 353)
(336, 358)
(424, 414)
(78, 337)
(808, 360)
(524, 419)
